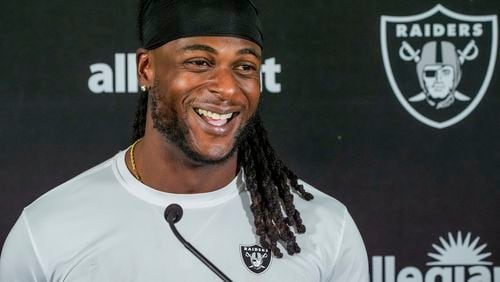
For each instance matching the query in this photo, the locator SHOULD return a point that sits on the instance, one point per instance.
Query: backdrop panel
(397, 117)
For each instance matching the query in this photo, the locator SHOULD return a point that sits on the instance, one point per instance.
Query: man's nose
(223, 83)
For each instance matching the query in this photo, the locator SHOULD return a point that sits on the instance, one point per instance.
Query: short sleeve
(351, 263)
(19, 261)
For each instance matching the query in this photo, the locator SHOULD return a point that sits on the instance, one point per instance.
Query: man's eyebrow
(250, 51)
(199, 47)
(206, 48)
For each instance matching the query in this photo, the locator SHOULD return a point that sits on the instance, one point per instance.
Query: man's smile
(217, 121)
(215, 118)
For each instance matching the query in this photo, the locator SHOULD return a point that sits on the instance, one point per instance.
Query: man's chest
(147, 251)
(175, 264)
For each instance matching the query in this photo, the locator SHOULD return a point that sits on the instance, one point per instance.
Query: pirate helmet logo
(439, 71)
(256, 258)
(442, 47)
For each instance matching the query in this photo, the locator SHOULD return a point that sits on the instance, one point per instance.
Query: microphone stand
(173, 213)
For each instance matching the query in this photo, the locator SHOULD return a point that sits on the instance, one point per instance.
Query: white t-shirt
(104, 225)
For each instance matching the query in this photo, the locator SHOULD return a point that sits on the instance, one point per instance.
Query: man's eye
(199, 63)
(446, 72)
(246, 68)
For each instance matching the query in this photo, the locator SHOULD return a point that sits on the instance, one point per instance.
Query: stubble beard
(175, 132)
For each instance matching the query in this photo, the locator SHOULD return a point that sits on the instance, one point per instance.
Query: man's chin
(216, 155)
(202, 159)
(178, 134)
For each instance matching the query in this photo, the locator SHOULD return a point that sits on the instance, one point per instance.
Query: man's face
(205, 91)
(439, 80)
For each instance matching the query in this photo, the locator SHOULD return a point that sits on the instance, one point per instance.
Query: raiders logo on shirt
(256, 258)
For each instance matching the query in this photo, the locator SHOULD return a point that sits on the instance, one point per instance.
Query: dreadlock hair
(268, 180)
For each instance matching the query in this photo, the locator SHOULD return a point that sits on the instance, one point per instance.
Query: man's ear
(145, 70)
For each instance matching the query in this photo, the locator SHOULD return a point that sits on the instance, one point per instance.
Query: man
(198, 142)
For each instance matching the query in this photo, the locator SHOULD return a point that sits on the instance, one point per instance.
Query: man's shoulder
(323, 205)
(74, 190)
(73, 215)
(328, 224)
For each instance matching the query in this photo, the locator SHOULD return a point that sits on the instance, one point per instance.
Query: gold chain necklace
(132, 160)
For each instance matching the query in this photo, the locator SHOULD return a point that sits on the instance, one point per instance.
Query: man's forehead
(216, 44)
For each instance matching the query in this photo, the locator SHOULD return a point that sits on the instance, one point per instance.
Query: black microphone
(173, 213)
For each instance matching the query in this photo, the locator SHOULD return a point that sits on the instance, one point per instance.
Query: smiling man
(199, 142)
(203, 91)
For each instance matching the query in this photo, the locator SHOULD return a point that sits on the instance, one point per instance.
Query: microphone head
(173, 213)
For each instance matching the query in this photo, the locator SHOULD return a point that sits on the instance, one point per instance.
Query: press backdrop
(339, 100)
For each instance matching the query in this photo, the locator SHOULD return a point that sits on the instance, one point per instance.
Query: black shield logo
(256, 258)
(439, 63)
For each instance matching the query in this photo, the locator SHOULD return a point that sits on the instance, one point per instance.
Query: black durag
(167, 20)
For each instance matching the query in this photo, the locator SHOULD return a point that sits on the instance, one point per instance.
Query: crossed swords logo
(256, 259)
(439, 78)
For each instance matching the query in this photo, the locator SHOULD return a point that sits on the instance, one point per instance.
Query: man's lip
(218, 109)
(215, 129)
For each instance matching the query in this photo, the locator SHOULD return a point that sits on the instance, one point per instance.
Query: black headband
(167, 20)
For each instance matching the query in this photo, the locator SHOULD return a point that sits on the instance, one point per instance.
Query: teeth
(213, 115)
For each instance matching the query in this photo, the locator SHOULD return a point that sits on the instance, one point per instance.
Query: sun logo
(458, 251)
(457, 259)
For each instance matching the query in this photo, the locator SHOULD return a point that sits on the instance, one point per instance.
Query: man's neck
(163, 166)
